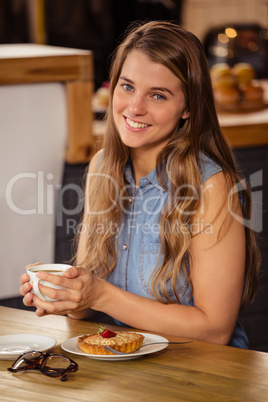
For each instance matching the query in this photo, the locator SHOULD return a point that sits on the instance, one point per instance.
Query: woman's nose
(137, 106)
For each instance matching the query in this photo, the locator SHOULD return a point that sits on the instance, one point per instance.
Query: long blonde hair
(182, 53)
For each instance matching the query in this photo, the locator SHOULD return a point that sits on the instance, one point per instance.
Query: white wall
(33, 134)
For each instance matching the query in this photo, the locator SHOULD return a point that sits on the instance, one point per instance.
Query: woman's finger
(24, 278)
(56, 308)
(40, 312)
(28, 300)
(25, 288)
(74, 272)
(33, 265)
(58, 294)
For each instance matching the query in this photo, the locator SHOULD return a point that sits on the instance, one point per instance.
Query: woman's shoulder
(208, 167)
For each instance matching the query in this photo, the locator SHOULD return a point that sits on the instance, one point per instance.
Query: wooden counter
(245, 129)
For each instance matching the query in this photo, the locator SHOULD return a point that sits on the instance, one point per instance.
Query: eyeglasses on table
(49, 364)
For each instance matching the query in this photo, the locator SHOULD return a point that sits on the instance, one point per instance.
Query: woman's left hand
(80, 293)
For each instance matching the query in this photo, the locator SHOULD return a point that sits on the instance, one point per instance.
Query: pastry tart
(124, 341)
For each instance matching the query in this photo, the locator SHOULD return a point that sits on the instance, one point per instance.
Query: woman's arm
(217, 273)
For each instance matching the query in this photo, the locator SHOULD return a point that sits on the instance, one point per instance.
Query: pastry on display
(221, 76)
(122, 341)
(235, 88)
(101, 98)
(252, 94)
(226, 96)
(244, 73)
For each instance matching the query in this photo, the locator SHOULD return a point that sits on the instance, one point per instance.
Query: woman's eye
(127, 87)
(159, 97)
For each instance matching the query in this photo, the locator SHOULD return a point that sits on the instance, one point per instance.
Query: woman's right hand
(26, 287)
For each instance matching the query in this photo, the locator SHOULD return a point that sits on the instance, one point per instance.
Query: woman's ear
(185, 115)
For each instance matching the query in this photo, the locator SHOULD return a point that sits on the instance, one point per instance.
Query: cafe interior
(54, 92)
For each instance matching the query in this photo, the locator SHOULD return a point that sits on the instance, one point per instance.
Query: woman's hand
(80, 293)
(26, 287)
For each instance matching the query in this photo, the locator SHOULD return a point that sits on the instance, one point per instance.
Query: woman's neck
(142, 164)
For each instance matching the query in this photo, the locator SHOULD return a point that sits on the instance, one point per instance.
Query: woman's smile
(135, 124)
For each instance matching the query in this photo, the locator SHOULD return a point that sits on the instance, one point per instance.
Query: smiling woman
(181, 258)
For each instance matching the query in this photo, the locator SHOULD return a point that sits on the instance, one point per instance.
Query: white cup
(55, 269)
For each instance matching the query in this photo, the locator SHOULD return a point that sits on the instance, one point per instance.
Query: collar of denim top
(151, 178)
(207, 168)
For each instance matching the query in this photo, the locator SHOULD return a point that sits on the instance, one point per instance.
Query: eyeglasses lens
(55, 365)
(26, 360)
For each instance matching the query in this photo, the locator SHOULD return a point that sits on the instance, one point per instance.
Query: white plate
(12, 346)
(71, 346)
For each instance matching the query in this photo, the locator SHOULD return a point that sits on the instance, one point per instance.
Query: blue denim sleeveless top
(139, 247)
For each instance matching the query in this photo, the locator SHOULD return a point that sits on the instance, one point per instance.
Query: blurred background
(232, 32)
(99, 25)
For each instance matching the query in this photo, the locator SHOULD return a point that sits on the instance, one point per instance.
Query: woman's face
(148, 103)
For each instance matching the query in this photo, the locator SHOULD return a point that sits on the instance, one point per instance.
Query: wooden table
(198, 371)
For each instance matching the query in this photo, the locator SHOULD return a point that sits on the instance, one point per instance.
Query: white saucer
(12, 346)
(71, 346)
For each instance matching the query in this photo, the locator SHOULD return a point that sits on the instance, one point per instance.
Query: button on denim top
(139, 247)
